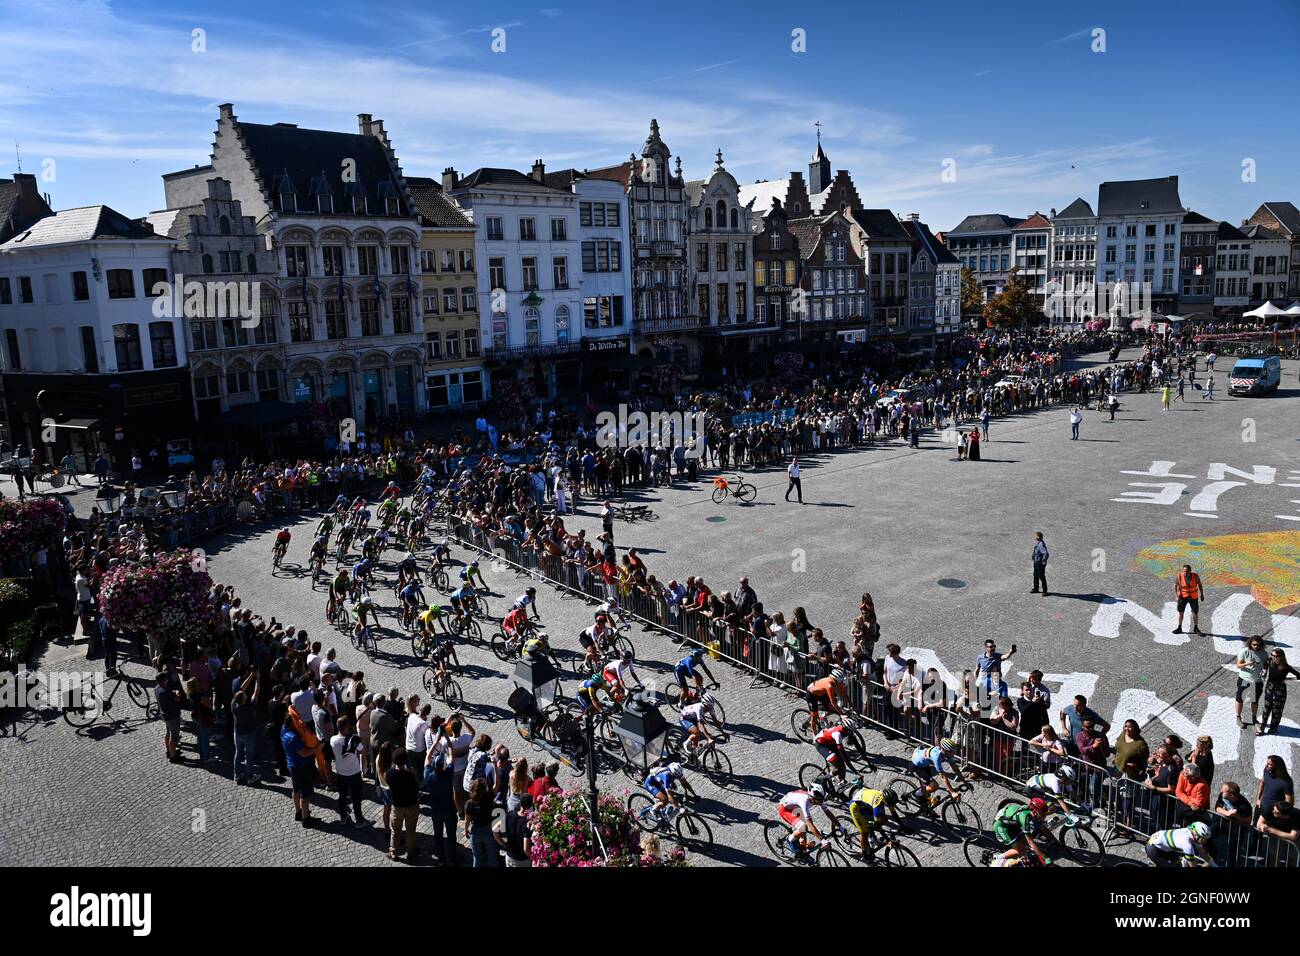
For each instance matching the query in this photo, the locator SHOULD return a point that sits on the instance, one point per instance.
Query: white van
(1255, 376)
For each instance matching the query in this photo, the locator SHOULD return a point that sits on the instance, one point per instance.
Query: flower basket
(29, 524)
(168, 599)
(561, 834)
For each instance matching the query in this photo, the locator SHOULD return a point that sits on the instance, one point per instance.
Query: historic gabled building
(1031, 242)
(662, 309)
(924, 288)
(1231, 271)
(886, 250)
(983, 243)
(21, 204)
(1270, 259)
(1074, 265)
(453, 343)
(776, 269)
(1199, 242)
(1139, 223)
(530, 299)
(1284, 219)
(833, 304)
(336, 213)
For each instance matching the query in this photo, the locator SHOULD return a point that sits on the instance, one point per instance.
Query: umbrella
(1266, 311)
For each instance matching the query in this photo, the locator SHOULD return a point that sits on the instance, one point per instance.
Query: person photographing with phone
(989, 668)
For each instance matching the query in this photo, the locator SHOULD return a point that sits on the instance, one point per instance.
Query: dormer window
(286, 194)
(288, 202)
(392, 206)
(359, 204)
(324, 203)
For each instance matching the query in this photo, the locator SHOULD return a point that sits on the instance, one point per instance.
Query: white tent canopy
(1294, 310)
(1266, 311)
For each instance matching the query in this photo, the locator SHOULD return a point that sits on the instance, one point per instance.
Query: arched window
(562, 325)
(733, 219)
(722, 214)
(225, 225)
(708, 219)
(207, 263)
(532, 326)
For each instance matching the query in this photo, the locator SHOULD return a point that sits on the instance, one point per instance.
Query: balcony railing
(677, 324)
(517, 351)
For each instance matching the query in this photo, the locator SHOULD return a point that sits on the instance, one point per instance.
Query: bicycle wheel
(829, 856)
(904, 790)
(419, 646)
(979, 850)
(1082, 845)
(961, 817)
(746, 491)
(775, 835)
(451, 694)
(640, 808)
(898, 855)
(809, 774)
(483, 609)
(717, 765)
(693, 830)
(801, 724)
(86, 710)
(623, 646)
(139, 696)
(428, 679)
(473, 629)
(719, 495)
(440, 581)
(500, 647)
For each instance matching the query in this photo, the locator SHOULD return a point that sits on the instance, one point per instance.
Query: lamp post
(643, 732)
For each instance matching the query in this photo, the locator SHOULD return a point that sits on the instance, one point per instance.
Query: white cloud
(1071, 36)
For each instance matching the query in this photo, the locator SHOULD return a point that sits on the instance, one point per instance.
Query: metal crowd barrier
(1131, 810)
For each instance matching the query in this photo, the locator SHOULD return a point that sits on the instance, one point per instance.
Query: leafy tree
(1014, 307)
(972, 297)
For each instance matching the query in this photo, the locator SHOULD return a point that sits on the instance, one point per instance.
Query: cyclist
(594, 639)
(692, 718)
(659, 784)
(536, 647)
(1015, 825)
(515, 625)
(617, 671)
(796, 811)
(363, 608)
(412, 598)
(1053, 787)
(471, 571)
(339, 588)
(830, 744)
(588, 694)
(828, 692)
(463, 599)
(687, 666)
(361, 574)
(326, 527)
(345, 539)
(281, 545)
(387, 511)
(430, 618)
(316, 557)
(442, 553)
(528, 600)
(391, 493)
(867, 808)
(929, 761)
(1170, 847)
(408, 568)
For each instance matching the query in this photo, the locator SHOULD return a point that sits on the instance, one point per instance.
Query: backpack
(476, 769)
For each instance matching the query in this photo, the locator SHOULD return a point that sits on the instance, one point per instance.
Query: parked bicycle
(87, 703)
(736, 488)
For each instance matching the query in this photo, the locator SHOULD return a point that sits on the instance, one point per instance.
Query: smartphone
(1013, 648)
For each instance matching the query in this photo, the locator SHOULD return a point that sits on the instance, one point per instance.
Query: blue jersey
(467, 570)
(931, 757)
(659, 781)
(461, 593)
(411, 592)
(361, 569)
(685, 666)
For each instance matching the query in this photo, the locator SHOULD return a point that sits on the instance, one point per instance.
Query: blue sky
(113, 93)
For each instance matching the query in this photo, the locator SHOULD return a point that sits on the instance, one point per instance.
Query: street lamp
(539, 678)
(643, 732)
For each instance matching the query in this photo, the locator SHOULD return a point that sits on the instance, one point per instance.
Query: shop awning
(261, 413)
(80, 424)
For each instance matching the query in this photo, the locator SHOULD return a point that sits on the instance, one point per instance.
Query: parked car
(1255, 376)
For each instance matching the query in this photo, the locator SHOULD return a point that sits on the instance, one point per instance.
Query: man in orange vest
(1187, 586)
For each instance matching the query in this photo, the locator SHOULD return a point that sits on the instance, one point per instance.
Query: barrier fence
(921, 715)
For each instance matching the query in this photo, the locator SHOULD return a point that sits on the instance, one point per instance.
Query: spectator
(1051, 748)
(346, 746)
(438, 776)
(1203, 756)
(1231, 805)
(1282, 822)
(514, 834)
(301, 757)
(169, 706)
(478, 823)
(406, 808)
(1275, 678)
(1192, 790)
(1275, 786)
(1131, 752)
(1031, 710)
(1251, 663)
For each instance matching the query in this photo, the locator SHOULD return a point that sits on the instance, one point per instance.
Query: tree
(972, 297)
(1014, 307)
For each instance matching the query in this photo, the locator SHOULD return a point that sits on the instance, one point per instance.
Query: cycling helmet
(1066, 772)
(697, 654)
(1038, 806)
(675, 769)
(474, 563)
(948, 744)
(529, 591)
(838, 675)
(708, 700)
(817, 792)
(891, 798)
(600, 617)
(627, 656)
(598, 679)
(1200, 831)
(446, 542)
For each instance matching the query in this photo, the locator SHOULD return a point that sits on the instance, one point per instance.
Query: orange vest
(1189, 585)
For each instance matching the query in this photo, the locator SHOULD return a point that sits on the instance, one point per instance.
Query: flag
(304, 288)
(340, 287)
(379, 292)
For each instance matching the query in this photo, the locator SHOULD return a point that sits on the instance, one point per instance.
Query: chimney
(26, 183)
(448, 179)
(227, 110)
(539, 171)
(914, 216)
(364, 122)
(1053, 213)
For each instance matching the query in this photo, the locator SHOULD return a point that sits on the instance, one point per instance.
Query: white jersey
(619, 671)
(798, 802)
(1174, 841)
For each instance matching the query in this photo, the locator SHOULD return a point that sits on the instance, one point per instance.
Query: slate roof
(938, 251)
(985, 222)
(1196, 219)
(11, 207)
(1285, 212)
(313, 161)
(83, 224)
(880, 224)
(1132, 197)
(434, 207)
(809, 234)
(1261, 232)
(1079, 209)
(505, 178)
(1230, 233)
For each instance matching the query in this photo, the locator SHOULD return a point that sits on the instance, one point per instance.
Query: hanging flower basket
(168, 598)
(561, 834)
(28, 524)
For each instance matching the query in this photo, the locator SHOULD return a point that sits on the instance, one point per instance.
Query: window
(472, 386)
(153, 278)
(121, 285)
(527, 229)
(288, 202)
(268, 384)
(453, 345)
(466, 260)
(15, 356)
(494, 230)
(207, 264)
(399, 259)
(739, 257)
(1169, 229)
(471, 343)
(333, 256)
(203, 335)
(562, 325)
(723, 302)
(708, 219)
(359, 204)
(370, 323)
(448, 260)
(392, 206)
(368, 260)
(428, 260)
(560, 270)
(559, 231)
(720, 260)
(497, 273)
(529, 264)
(431, 304)
(401, 306)
(238, 382)
(80, 287)
(89, 350)
(229, 261)
(584, 214)
(295, 261)
(126, 342)
(602, 312)
(532, 327)
(162, 342)
(740, 302)
(233, 333)
(433, 345)
(336, 319)
(1110, 232)
(299, 322)
(702, 257)
(760, 272)
(612, 214)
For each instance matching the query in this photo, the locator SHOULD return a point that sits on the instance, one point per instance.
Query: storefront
(454, 388)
